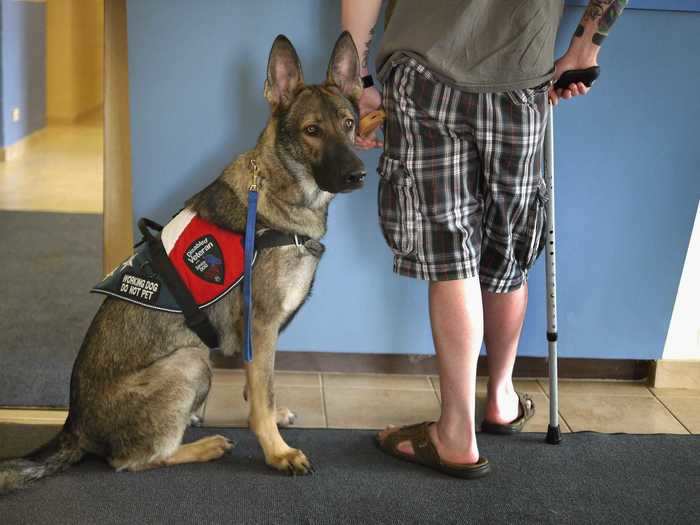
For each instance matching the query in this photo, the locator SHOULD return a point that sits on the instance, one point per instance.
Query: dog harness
(208, 260)
(191, 264)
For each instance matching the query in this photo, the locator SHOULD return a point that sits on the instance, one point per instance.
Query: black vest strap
(274, 238)
(195, 318)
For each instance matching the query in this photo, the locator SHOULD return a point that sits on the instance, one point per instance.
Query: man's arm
(359, 18)
(598, 18)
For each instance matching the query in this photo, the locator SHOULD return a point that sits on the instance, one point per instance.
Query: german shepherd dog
(141, 374)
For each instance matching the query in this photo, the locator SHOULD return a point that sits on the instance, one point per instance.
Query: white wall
(683, 339)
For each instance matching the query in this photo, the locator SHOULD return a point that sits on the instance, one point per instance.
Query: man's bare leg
(456, 317)
(503, 321)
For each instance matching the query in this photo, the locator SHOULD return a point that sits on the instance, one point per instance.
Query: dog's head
(316, 124)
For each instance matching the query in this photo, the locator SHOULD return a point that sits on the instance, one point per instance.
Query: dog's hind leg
(263, 415)
(201, 451)
(152, 409)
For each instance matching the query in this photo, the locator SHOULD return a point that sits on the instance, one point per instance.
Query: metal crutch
(587, 76)
(553, 431)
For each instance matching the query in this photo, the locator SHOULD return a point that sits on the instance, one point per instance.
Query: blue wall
(22, 68)
(626, 166)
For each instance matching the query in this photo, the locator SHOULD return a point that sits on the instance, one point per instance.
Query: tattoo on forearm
(611, 14)
(595, 9)
(604, 13)
(365, 53)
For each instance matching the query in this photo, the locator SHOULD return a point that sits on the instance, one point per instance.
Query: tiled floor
(372, 401)
(60, 171)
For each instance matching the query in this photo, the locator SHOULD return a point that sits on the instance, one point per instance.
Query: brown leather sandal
(425, 453)
(526, 409)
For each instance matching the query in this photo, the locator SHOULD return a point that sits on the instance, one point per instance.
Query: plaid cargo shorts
(461, 193)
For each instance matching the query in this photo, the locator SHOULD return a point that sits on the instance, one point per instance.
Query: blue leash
(248, 275)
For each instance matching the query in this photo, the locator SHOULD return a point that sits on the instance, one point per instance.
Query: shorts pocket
(396, 205)
(536, 226)
(529, 96)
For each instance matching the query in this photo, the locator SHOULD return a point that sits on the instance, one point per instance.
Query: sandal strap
(423, 448)
(417, 434)
(402, 434)
(527, 406)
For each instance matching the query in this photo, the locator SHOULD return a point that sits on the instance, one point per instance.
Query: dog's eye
(311, 130)
(349, 123)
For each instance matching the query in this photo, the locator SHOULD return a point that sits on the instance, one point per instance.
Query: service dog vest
(209, 260)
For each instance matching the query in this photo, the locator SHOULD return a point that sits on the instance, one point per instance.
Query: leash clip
(254, 184)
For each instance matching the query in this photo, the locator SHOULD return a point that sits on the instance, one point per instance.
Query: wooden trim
(627, 369)
(118, 215)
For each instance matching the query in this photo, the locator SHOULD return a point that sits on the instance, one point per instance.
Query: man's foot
(453, 452)
(526, 409)
(502, 406)
(424, 452)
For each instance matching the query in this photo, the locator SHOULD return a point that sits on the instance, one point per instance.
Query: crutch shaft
(553, 434)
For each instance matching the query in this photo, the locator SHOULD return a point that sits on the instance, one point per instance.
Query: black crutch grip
(574, 76)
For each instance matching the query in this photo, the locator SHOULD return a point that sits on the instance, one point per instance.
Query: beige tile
(226, 407)
(633, 414)
(33, 417)
(306, 403)
(676, 392)
(568, 387)
(297, 379)
(237, 377)
(677, 374)
(684, 404)
(381, 381)
(529, 386)
(375, 408)
(229, 376)
(686, 410)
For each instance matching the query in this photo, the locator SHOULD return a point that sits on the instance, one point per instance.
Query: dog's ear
(344, 67)
(283, 72)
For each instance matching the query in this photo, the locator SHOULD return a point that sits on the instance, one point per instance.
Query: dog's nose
(355, 177)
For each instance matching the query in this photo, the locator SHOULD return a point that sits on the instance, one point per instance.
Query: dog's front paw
(294, 462)
(285, 417)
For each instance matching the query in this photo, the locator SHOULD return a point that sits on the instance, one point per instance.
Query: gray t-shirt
(476, 45)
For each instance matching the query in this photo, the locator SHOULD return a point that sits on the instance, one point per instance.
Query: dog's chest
(295, 279)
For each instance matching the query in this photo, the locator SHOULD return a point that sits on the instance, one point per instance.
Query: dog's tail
(57, 455)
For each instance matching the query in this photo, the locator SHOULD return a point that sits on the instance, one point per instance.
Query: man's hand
(570, 61)
(595, 25)
(371, 100)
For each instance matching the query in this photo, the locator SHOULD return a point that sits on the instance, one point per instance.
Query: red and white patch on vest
(209, 259)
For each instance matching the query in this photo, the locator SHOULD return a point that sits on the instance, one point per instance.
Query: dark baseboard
(572, 368)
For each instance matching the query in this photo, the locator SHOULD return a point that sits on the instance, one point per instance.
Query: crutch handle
(574, 76)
